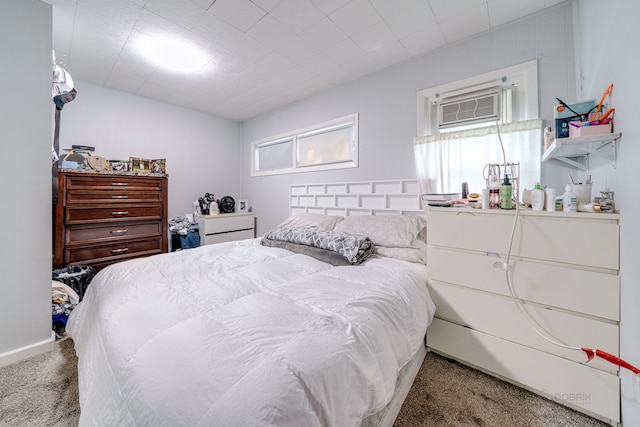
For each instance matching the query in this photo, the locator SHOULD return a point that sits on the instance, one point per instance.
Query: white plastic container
(569, 200)
(537, 198)
(550, 197)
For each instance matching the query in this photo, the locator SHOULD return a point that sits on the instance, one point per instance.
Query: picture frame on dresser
(243, 205)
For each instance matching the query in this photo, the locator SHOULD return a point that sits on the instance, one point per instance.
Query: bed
(252, 333)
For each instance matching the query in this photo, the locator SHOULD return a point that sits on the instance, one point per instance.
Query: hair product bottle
(506, 192)
(537, 198)
(569, 200)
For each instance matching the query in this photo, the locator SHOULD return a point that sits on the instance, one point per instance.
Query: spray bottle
(506, 193)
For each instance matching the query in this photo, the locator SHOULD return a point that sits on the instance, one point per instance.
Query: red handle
(610, 358)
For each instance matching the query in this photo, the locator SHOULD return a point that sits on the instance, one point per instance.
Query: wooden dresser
(564, 268)
(105, 218)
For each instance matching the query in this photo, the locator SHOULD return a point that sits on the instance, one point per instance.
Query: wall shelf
(566, 149)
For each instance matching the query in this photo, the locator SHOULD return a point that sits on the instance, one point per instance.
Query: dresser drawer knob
(119, 197)
(118, 232)
(119, 251)
(120, 213)
(119, 184)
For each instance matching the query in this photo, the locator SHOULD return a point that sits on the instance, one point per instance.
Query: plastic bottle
(494, 192)
(506, 192)
(569, 200)
(537, 198)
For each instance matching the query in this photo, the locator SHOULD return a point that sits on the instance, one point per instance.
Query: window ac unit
(476, 107)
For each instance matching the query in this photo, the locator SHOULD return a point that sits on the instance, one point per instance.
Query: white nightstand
(225, 227)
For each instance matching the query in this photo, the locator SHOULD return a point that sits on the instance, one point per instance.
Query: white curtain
(445, 160)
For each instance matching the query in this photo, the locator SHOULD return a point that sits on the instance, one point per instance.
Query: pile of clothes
(68, 286)
(184, 233)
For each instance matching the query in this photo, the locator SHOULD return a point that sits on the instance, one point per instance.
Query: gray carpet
(43, 391)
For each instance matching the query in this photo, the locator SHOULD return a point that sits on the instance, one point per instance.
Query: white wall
(607, 41)
(387, 104)
(202, 150)
(26, 115)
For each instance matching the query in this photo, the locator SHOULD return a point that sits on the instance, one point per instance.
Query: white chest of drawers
(563, 267)
(225, 227)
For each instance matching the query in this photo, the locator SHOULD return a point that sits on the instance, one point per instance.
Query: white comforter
(239, 334)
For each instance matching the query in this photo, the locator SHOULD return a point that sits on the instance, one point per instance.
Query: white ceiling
(263, 54)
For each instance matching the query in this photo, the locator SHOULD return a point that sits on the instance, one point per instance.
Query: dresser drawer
(112, 197)
(114, 251)
(594, 242)
(580, 290)
(113, 183)
(210, 239)
(90, 233)
(222, 223)
(93, 215)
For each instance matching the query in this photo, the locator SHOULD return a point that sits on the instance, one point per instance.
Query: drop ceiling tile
(503, 11)
(447, 9)
(297, 50)
(124, 81)
(388, 8)
(426, 39)
(355, 16)
(297, 15)
(90, 69)
(330, 6)
(323, 34)
(216, 30)
(273, 63)
(242, 14)
(203, 4)
(154, 91)
(247, 47)
(336, 76)
(270, 32)
(360, 66)
(266, 5)
(318, 64)
(389, 54)
(343, 52)
(152, 25)
(180, 12)
(412, 20)
(374, 36)
(465, 24)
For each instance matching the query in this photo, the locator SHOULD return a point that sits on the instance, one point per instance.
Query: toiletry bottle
(494, 192)
(506, 192)
(569, 200)
(537, 198)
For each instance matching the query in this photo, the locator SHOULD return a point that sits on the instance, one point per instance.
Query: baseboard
(28, 351)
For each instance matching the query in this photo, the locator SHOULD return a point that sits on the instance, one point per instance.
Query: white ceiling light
(171, 53)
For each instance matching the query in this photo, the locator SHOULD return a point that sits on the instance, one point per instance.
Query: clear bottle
(537, 198)
(506, 193)
(494, 192)
(569, 200)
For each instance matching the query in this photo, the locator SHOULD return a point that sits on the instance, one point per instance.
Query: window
(329, 145)
(467, 126)
(508, 95)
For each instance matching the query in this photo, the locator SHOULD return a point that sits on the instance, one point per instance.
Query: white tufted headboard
(389, 197)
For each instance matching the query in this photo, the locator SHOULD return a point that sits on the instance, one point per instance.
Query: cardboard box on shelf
(589, 130)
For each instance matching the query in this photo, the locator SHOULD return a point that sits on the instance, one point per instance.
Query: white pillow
(391, 231)
(324, 222)
(406, 254)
